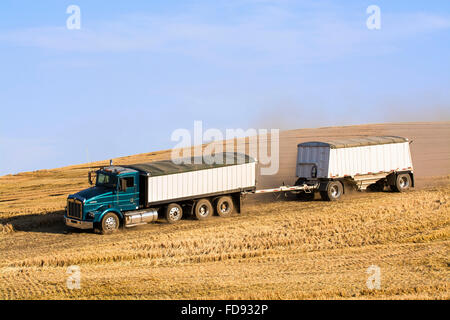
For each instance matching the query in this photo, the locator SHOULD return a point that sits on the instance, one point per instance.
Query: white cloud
(270, 34)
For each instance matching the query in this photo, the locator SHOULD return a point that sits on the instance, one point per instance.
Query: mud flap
(412, 179)
(390, 179)
(237, 201)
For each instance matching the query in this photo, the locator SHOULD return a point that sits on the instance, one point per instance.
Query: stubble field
(280, 249)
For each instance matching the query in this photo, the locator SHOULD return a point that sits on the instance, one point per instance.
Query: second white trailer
(363, 162)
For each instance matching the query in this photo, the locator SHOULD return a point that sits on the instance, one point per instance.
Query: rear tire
(376, 187)
(334, 191)
(173, 213)
(305, 196)
(224, 206)
(110, 223)
(402, 183)
(203, 209)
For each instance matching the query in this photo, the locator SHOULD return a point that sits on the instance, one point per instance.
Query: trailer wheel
(110, 223)
(203, 209)
(174, 212)
(305, 196)
(334, 191)
(402, 183)
(224, 206)
(376, 187)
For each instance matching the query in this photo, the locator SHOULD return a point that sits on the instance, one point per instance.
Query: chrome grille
(74, 209)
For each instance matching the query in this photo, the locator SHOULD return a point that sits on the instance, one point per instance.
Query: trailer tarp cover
(165, 167)
(355, 142)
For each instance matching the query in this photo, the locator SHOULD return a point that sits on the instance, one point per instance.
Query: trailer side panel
(196, 183)
(369, 159)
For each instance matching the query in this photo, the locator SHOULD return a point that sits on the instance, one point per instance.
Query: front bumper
(79, 224)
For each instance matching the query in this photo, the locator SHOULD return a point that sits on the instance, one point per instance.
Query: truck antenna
(87, 158)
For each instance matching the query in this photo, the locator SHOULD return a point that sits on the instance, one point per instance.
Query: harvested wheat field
(280, 249)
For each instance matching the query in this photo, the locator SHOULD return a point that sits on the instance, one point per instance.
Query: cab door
(128, 193)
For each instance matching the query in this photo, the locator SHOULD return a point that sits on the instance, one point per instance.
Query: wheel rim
(203, 210)
(174, 213)
(224, 207)
(335, 191)
(403, 182)
(110, 223)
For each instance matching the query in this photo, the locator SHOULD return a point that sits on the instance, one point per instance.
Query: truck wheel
(174, 212)
(110, 223)
(224, 206)
(203, 209)
(402, 183)
(334, 191)
(376, 187)
(305, 196)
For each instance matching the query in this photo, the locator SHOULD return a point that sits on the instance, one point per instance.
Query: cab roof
(118, 169)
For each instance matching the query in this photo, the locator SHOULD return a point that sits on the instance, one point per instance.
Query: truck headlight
(91, 215)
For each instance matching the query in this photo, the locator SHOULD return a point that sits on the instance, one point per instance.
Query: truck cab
(116, 191)
(132, 195)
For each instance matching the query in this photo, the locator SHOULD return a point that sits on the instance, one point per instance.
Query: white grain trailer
(198, 186)
(328, 167)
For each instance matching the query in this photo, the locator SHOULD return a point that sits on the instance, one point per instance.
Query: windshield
(105, 180)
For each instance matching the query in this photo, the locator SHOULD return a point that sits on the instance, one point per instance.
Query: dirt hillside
(275, 250)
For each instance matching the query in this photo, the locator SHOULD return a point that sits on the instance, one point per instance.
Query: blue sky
(138, 70)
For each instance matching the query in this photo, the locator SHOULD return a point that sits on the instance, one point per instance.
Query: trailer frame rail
(294, 189)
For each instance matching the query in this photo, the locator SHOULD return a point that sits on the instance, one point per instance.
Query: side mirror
(90, 177)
